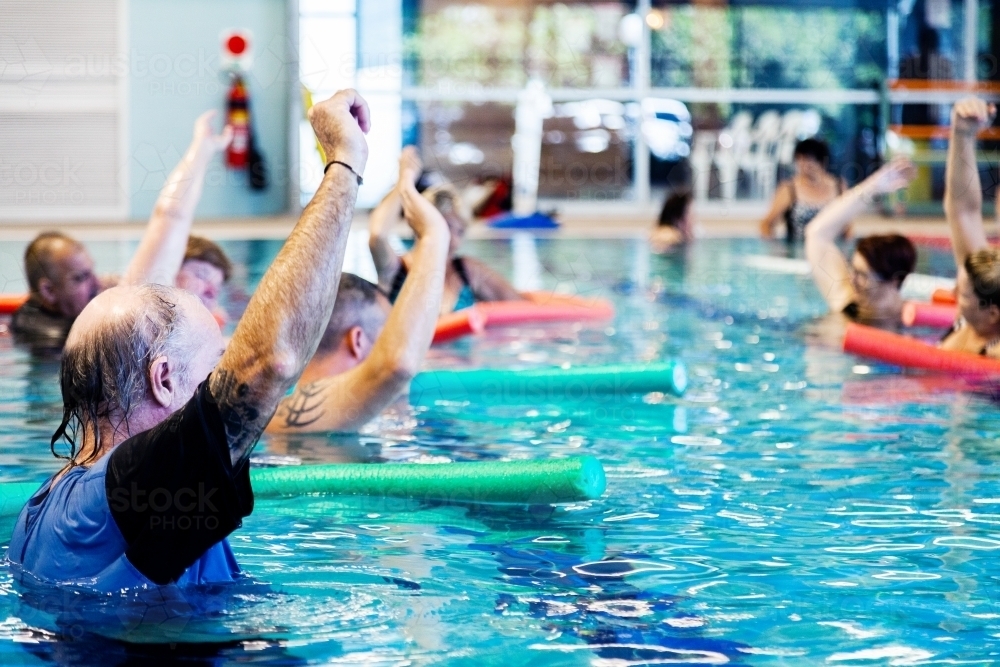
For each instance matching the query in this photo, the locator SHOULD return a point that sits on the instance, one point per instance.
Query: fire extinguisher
(238, 116)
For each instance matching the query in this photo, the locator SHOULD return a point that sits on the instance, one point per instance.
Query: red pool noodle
(460, 323)
(943, 296)
(892, 348)
(11, 302)
(916, 314)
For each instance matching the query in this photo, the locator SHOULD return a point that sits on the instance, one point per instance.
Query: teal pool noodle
(574, 383)
(522, 482)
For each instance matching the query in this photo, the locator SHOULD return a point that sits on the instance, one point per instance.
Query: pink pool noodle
(917, 314)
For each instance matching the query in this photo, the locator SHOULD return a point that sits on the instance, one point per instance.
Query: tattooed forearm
(283, 322)
(240, 413)
(305, 407)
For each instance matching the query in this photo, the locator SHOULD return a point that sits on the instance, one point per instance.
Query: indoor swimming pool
(797, 506)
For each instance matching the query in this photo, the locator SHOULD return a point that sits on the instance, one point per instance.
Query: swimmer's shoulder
(827, 330)
(32, 324)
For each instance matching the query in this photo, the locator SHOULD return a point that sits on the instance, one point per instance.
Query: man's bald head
(41, 257)
(125, 346)
(60, 273)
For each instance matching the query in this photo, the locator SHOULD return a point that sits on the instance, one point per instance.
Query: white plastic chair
(760, 162)
(788, 137)
(702, 152)
(733, 144)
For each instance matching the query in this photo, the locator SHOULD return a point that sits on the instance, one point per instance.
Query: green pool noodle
(522, 482)
(574, 383)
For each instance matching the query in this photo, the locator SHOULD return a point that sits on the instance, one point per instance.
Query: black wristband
(329, 164)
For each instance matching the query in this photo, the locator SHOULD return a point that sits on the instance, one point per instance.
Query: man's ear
(994, 314)
(47, 290)
(357, 342)
(162, 383)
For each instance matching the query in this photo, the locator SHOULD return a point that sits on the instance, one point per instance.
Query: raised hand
(340, 124)
(422, 216)
(892, 176)
(971, 114)
(206, 142)
(410, 166)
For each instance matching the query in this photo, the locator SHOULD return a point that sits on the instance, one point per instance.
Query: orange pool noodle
(943, 296)
(916, 314)
(11, 302)
(892, 348)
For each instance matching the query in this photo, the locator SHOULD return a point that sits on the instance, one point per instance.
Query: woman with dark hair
(866, 287)
(800, 198)
(676, 223)
(977, 329)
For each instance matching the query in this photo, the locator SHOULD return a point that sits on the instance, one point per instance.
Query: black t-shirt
(173, 492)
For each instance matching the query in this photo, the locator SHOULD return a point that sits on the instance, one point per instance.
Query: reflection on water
(797, 506)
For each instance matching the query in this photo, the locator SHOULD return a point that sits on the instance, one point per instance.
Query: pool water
(797, 506)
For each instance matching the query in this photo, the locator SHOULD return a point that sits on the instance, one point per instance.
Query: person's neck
(326, 365)
(92, 447)
(989, 334)
(812, 178)
(884, 309)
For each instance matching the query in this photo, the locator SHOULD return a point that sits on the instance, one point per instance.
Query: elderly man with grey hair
(160, 417)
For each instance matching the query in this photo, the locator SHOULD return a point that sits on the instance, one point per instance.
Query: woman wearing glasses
(864, 288)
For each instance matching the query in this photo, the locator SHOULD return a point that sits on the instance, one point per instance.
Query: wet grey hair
(105, 374)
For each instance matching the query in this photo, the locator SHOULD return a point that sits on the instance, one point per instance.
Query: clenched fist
(971, 114)
(340, 124)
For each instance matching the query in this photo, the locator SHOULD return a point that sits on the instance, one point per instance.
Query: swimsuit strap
(458, 264)
(955, 326)
(789, 221)
(397, 282)
(989, 346)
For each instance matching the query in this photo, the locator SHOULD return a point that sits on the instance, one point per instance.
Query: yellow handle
(307, 102)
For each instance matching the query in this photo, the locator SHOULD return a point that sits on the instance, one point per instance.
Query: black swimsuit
(798, 215)
(33, 325)
(465, 298)
(851, 311)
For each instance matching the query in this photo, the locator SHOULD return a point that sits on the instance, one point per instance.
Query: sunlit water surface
(797, 506)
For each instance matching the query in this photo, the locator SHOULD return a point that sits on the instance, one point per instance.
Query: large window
(735, 83)
(503, 45)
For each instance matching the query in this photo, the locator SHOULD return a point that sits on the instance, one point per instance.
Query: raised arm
(781, 202)
(347, 401)
(287, 314)
(830, 268)
(963, 194)
(161, 251)
(380, 223)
